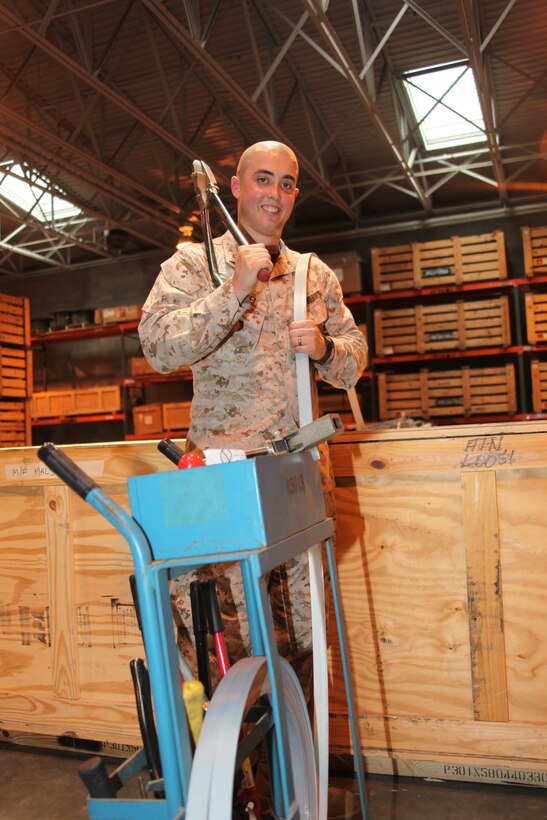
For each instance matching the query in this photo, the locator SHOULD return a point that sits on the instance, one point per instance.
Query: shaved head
(265, 147)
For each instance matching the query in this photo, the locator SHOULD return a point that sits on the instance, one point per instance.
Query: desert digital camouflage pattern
(245, 394)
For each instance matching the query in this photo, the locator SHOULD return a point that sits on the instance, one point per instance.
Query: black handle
(67, 470)
(199, 624)
(93, 773)
(145, 714)
(214, 617)
(171, 450)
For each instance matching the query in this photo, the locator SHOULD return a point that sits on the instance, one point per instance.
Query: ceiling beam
(472, 45)
(352, 74)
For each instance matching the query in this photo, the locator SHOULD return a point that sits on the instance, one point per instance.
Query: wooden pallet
(449, 326)
(463, 392)
(14, 320)
(536, 317)
(86, 401)
(534, 246)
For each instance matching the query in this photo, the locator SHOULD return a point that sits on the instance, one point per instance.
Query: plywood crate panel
(392, 268)
(15, 372)
(536, 317)
(347, 267)
(534, 245)
(539, 386)
(14, 320)
(459, 259)
(15, 423)
(447, 326)
(466, 391)
(67, 623)
(441, 538)
(76, 402)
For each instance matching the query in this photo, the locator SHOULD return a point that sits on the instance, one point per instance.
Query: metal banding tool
(206, 188)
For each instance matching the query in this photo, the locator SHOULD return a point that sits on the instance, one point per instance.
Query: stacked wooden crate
(161, 417)
(534, 245)
(15, 371)
(467, 391)
(78, 402)
(456, 260)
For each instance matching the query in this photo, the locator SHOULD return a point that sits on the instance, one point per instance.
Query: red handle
(263, 275)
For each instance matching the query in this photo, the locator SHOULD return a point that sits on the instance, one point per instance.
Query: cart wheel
(210, 795)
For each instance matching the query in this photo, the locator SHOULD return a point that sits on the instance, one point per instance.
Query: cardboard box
(123, 313)
(88, 401)
(441, 538)
(347, 267)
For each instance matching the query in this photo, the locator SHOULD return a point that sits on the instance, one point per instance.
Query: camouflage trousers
(289, 594)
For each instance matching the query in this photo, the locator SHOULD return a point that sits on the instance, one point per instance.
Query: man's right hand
(250, 260)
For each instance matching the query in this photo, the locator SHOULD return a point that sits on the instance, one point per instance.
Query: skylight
(33, 194)
(446, 105)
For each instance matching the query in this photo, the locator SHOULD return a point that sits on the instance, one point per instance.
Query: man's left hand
(306, 337)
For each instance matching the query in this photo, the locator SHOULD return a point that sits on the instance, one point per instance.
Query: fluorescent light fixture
(446, 105)
(33, 193)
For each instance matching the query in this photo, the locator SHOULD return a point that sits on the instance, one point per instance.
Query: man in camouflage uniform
(241, 340)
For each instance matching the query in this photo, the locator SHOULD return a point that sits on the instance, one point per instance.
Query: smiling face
(265, 188)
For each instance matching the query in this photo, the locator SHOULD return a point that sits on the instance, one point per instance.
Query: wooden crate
(14, 320)
(534, 245)
(148, 418)
(15, 372)
(67, 623)
(459, 259)
(449, 326)
(536, 317)
(176, 415)
(392, 268)
(466, 391)
(15, 424)
(76, 402)
(441, 537)
(538, 372)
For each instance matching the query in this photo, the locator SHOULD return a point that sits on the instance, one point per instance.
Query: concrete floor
(46, 786)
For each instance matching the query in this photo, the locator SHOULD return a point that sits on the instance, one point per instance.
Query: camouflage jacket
(245, 381)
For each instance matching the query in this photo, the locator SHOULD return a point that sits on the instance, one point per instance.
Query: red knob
(263, 275)
(191, 460)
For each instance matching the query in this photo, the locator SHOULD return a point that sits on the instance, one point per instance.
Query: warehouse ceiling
(106, 104)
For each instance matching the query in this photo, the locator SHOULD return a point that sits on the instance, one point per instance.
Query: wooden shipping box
(176, 415)
(148, 418)
(14, 320)
(442, 556)
(534, 246)
(67, 623)
(76, 402)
